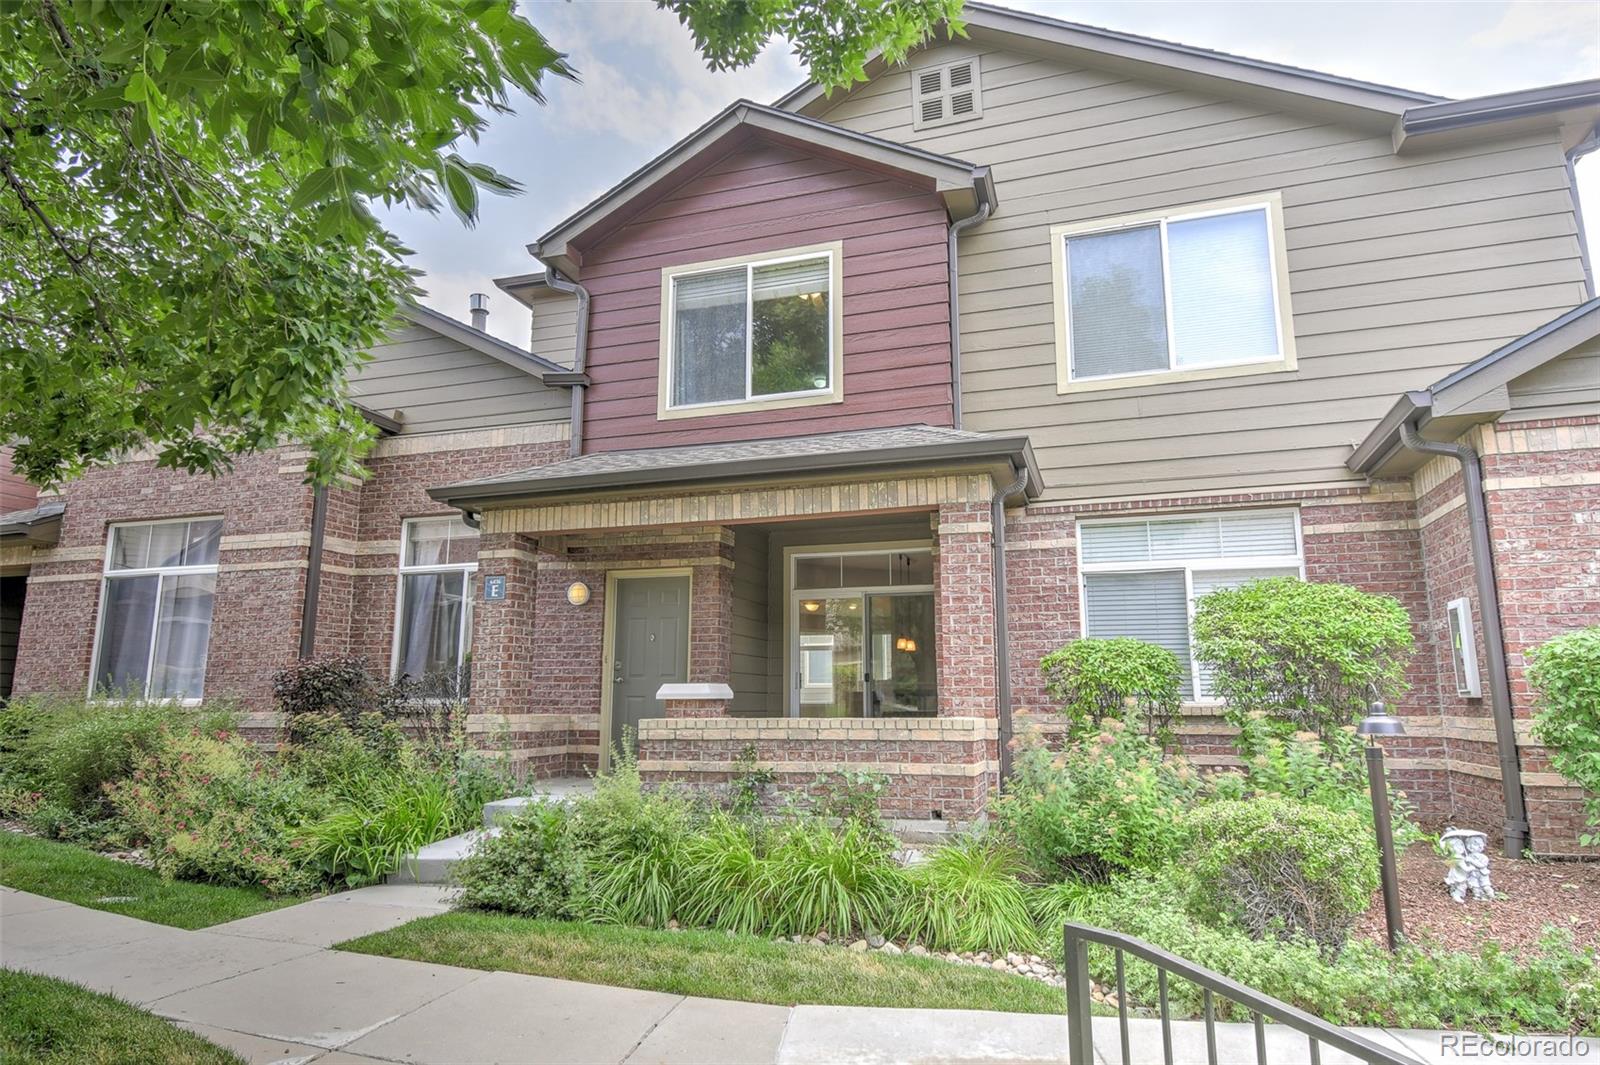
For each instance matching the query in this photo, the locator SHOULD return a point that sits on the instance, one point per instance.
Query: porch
(835, 616)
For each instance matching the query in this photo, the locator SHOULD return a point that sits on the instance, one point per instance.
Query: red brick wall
(256, 617)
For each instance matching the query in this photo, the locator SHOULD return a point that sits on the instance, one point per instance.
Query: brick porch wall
(937, 767)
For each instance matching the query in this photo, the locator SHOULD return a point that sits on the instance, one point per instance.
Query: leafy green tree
(190, 267)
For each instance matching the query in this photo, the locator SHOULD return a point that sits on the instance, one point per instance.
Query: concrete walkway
(269, 988)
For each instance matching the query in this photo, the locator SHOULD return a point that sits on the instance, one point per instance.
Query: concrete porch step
(432, 864)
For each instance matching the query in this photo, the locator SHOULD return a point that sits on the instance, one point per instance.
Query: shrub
(850, 797)
(1554, 989)
(634, 842)
(533, 866)
(1281, 868)
(1133, 681)
(364, 841)
(1565, 672)
(213, 807)
(1310, 655)
(966, 896)
(1105, 804)
(817, 877)
(340, 686)
(723, 878)
(67, 752)
(1331, 774)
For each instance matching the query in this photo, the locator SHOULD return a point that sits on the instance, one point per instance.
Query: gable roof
(481, 342)
(1408, 114)
(1135, 55)
(911, 445)
(962, 185)
(1474, 394)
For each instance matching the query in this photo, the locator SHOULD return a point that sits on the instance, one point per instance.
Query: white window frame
(469, 593)
(107, 575)
(1283, 361)
(947, 117)
(833, 251)
(1189, 567)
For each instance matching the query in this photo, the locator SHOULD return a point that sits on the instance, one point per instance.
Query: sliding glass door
(861, 634)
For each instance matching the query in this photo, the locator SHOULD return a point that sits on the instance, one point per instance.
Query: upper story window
(950, 92)
(155, 609)
(1191, 294)
(750, 334)
(433, 624)
(1141, 578)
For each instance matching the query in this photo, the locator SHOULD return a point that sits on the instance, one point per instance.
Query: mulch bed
(1529, 896)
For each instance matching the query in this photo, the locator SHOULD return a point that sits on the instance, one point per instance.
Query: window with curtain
(1184, 292)
(1142, 578)
(760, 330)
(433, 625)
(155, 609)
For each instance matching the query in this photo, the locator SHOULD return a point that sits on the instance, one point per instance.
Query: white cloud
(1571, 26)
(641, 76)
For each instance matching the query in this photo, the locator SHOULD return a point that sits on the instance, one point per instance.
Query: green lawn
(706, 964)
(44, 1021)
(75, 875)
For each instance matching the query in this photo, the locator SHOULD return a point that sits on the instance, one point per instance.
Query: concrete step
(555, 789)
(432, 864)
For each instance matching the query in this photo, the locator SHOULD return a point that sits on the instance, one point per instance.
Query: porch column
(502, 631)
(711, 612)
(964, 604)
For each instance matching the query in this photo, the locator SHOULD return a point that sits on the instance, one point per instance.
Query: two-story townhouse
(136, 580)
(1065, 327)
(868, 400)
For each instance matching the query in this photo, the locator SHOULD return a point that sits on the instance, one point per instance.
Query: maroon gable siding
(765, 197)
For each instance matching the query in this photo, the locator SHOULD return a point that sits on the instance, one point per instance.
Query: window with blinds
(1142, 578)
(1181, 292)
(945, 94)
(754, 331)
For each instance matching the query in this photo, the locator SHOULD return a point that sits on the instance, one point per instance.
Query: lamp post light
(1379, 722)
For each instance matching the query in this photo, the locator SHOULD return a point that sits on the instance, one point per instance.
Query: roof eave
(42, 527)
(1572, 107)
(960, 184)
(1017, 450)
(479, 341)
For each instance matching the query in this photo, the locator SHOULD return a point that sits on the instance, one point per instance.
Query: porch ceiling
(903, 448)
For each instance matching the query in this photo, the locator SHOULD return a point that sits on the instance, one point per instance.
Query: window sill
(1169, 377)
(711, 410)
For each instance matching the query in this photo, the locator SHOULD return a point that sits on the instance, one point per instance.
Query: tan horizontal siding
(439, 385)
(1402, 268)
(1563, 388)
(555, 318)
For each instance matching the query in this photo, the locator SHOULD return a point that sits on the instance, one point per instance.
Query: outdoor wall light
(577, 593)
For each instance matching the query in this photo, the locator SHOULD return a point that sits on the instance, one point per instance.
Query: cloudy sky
(643, 86)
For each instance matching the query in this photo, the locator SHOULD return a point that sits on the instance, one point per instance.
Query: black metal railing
(1212, 985)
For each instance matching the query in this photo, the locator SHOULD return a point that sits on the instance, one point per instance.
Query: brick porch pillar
(963, 578)
(711, 613)
(502, 630)
(695, 700)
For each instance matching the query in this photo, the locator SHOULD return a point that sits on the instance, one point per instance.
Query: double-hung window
(750, 334)
(433, 631)
(1142, 578)
(155, 609)
(1196, 293)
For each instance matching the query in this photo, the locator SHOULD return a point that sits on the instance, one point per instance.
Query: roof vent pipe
(580, 349)
(1516, 829)
(478, 303)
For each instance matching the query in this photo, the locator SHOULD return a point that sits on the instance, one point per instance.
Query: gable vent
(950, 92)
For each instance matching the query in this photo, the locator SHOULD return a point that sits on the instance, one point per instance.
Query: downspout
(954, 259)
(308, 609)
(1578, 151)
(1516, 828)
(1002, 647)
(580, 349)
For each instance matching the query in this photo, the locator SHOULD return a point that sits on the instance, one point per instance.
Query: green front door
(651, 648)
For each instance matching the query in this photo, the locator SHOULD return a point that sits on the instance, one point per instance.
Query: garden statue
(1470, 873)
